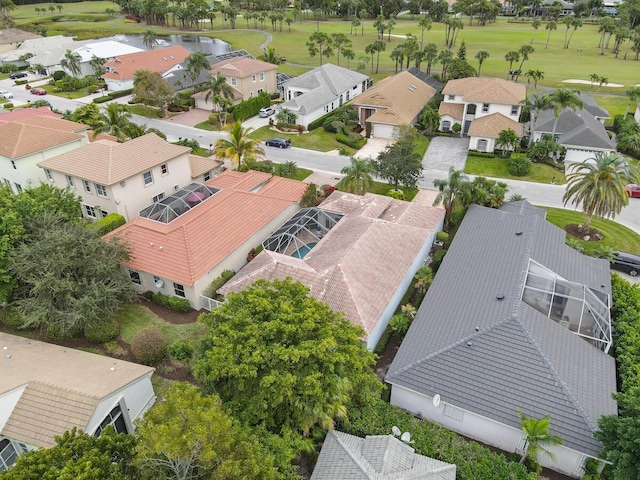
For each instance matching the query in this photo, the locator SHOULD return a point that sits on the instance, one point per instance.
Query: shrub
(318, 122)
(181, 351)
(437, 259)
(108, 223)
(442, 237)
(275, 95)
(399, 324)
(519, 166)
(475, 153)
(23, 82)
(352, 140)
(397, 194)
(58, 75)
(174, 303)
(119, 93)
(213, 119)
(108, 330)
(8, 68)
(221, 280)
(106, 98)
(456, 128)
(7, 106)
(249, 108)
(253, 253)
(149, 346)
(10, 317)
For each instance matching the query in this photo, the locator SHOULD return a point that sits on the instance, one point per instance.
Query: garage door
(383, 131)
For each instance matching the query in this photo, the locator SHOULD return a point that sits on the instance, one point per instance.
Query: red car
(38, 91)
(633, 190)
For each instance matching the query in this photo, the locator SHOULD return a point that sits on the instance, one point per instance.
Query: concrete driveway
(444, 152)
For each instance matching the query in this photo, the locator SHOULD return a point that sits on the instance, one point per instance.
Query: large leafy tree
(597, 184)
(398, 163)
(190, 435)
(358, 176)
(538, 437)
(151, 89)
(69, 279)
(320, 43)
(77, 455)
(115, 121)
(88, 114)
(280, 358)
(239, 145)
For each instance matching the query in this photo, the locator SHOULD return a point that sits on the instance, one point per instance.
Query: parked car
(38, 91)
(626, 262)
(633, 190)
(15, 75)
(5, 94)
(266, 112)
(278, 142)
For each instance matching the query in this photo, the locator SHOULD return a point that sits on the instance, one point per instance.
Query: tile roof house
(182, 243)
(29, 139)
(122, 69)
(581, 131)
(394, 101)
(247, 77)
(356, 253)
(47, 389)
(108, 181)
(321, 90)
(483, 107)
(513, 319)
(107, 50)
(376, 457)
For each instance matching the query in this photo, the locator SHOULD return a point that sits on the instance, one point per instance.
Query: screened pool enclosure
(178, 203)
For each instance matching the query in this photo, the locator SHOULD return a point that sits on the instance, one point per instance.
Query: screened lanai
(573, 305)
(302, 232)
(178, 203)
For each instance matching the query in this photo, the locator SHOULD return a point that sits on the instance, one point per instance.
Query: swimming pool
(303, 250)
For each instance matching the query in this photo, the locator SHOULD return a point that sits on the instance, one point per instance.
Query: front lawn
(420, 145)
(134, 317)
(144, 110)
(53, 90)
(497, 168)
(382, 188)
(616, 236)
(210, 127)
(318, 139)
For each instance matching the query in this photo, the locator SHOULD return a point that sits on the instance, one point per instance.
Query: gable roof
(579, 128)
(105, 49)
(62, 387)
(241, 67)
(23, 113)
(39, 46)
(158, 60)
(201, 165)
(491, 356)
(487, 90)
(323, 84)
(55, 123)
(18, 139)
(107, 162)
(455, 110)
(592, 106)
(491, 126)
(399, 99)
(359, 264)
(194, 243)
(376, 457)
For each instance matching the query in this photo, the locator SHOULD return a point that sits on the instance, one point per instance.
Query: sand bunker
(587, 82)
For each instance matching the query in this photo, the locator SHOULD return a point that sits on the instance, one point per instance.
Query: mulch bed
(592, 235)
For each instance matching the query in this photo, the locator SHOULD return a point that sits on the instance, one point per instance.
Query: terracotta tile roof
(22, 113)
(455, 110)
(108, 162)
(63, 386)
(358, 265)
(54, 123)
(487, 90)
(201, 165)
(491, 126)
(18, 139)
(158, 60)
(101, 136)
(241, 67)
(200, 239)
(400, 99)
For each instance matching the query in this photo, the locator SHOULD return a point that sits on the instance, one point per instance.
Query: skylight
(178, 203)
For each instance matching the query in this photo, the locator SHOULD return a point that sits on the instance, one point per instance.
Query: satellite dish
(406, 437)
(160, 283)
(396, 431)
(436, 400)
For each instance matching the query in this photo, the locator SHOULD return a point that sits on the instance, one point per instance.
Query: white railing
(209, 303)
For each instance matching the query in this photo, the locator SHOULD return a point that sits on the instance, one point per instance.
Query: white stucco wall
(473, 143)
(576, 155)
(8, 402)
(115, 85)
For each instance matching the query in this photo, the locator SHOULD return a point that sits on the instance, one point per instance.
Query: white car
(266, 112)
(5, 94)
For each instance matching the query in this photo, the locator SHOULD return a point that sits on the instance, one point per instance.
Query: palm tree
(71, 62)
(535, 24)
(196, 63)
(550, 26)
(116, 121)
(97, 64)
(525, 51)
(238, 146)
(561, 98)
(511, 57)
(450, 194)
(598, 184)
(217, 88)
(149, 39)
(634, 97)
(358, 176)
(538, 437)
(535, 104)
(508, 140)
(481, 56)
(270, 55)
(425, 24)
(134, 131)
(423, 279)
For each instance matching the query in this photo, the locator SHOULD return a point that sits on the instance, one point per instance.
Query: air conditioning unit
(159, 283)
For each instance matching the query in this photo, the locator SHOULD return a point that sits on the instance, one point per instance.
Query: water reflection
(193, 43)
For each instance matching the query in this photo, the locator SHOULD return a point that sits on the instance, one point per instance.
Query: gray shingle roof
(592, 106)
(518, 357)
(380, 457)
(579, 128)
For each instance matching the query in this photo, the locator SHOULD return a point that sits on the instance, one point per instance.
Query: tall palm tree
(561, 98)
(358, 176)
(481, 56)
(535, 104)
(550, 26)
(97, 64)
(196, 63)
(598, 184)
(238, 146)
(149, 39)
(511, 57)
(507, 140)
(217, 87)
(538, 437)
(115, 121)
(270, 55)
(451, 193)
(71, 62)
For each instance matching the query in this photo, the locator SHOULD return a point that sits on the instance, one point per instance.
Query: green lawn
(134, 318)
(615, 105)
(144, 110)
(51, 90)
(420, 145)
(497, 168)
(302, 173)
(382, 188)
(207, 126)
(616, 236)
(317, 139)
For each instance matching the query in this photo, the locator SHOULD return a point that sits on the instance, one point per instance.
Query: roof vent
(500, 296)
(8, 356)
(518, 232)
(164, 58)
(477, 329)
(469, 344)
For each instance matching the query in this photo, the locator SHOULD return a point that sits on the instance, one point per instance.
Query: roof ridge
(56, 387)
(187, 251)
(358, 461)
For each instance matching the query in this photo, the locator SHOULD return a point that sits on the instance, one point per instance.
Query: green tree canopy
(357, 176)
(239, 145)
(88, 114)
(278, 357)
(398, 163)
(149, 88)
(538, 437)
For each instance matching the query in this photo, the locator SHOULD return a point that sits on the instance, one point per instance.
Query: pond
(193, 43)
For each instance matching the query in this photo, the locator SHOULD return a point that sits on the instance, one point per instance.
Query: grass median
(499, 168)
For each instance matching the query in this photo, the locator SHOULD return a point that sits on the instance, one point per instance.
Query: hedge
(355, 141)
(108, 223)
(21, 82)
(120, 93)
(106, 98)
(473, 461)
(317, 123)
(475, 153)
(176, 304)
(251, 107)
(104, 332)
(220, 281)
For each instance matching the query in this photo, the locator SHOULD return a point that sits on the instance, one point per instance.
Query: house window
(207, 176)
(164, 169)
(135, 277)
(18, 188)
(347, 95)
(114, 418)
(234, 81)
(253, 78)
(251, 94)
(70, 181)
(482, 145)
(260, 91)
(453, 412)
(176, 188)
(49, 175)
(451, 97)
(485, 107)
(446, 125)
(101, 190)
(157, 198)
(471, 109)
(179, 290)
(262, 76)
(13, 164)
(8, 454)
(148, 178)
(90, 211)
(87, 186)
(514, 109)
(103, 213)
